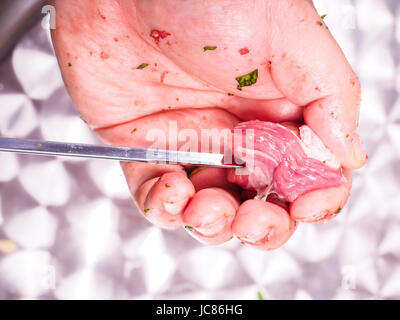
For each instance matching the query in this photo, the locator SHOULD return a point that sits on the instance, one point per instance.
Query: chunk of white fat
(315, 148)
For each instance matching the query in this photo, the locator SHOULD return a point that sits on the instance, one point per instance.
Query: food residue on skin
(189, 228)
(177, 99)
(134, 130)
(157, 35)
(244, 51)
(167, 185)
(247, 79)
(323, 16)
(104, 55)
(260, 295)
(146, 210)
(230, 94)
(142, 66)
(39, 145)
(69, 64)
(269, 65)
(163, 76)
(347, 135)
(339, 210)
(101, 15)
(209, 48)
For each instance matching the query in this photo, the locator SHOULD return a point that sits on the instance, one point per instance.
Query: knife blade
(51, 148)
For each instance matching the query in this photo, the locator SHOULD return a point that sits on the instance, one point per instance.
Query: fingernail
(358, 149)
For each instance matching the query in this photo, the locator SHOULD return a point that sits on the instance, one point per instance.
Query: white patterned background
(68, 228)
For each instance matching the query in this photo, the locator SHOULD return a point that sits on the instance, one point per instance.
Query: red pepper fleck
(317, 89)
(104, 55)
(163, 76)
(157, 35)
(244, 51)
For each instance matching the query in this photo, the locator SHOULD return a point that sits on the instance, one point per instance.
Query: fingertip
(166, 199)
(262, 224)
(319, 206)
(209, 215)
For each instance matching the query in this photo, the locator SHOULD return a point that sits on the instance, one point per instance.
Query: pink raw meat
(286, 161)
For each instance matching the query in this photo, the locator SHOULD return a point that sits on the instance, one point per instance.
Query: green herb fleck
(189, 228)
(321, 24)
(143, 65)
(209, 48)
(247, 80)
(134, 130)
(69, 64)
(339, 211)
(167, 185)
(260, 295)
(323, 16)
(146, 210)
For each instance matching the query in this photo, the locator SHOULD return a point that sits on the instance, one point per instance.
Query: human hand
(189, 54)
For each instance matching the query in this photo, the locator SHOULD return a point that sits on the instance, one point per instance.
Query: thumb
(310, 69)
(335, 120)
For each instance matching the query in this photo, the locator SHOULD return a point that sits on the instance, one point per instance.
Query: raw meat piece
(285, 160)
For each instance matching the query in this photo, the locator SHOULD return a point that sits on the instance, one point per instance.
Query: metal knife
(49, 148)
